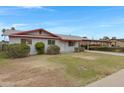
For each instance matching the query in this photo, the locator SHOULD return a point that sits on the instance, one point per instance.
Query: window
(26, 41)
(29, 41)
(71, 43)
(40, 32)
(51, 42)
(23, 41)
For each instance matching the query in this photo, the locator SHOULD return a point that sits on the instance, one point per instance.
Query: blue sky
(93, 22)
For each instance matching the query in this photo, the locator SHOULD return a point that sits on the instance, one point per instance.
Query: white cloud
(19, 25)
(37, 7)
(14, 10)
(1, 24)
(51, 23)
(110, 23)
(48, 9)
(31, 7)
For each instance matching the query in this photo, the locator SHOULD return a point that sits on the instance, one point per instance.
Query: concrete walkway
(110, 53)
(114, 80)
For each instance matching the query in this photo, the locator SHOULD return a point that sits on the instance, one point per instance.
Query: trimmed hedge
(79, 49)
(53, 49)
(39, 46)
(17, 50)
(111, 49)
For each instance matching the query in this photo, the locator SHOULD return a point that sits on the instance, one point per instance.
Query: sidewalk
(114, 80)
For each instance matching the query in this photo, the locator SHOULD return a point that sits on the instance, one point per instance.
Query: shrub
(53, 49)
(17, 50)
(3, 47)
(39, 46)
(76, 49)
(79, 49)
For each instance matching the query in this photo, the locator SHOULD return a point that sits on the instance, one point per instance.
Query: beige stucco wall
(63, 45)
(14, 40)
(120, 44)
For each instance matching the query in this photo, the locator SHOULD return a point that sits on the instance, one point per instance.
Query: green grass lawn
(3, 57)
(88, 67)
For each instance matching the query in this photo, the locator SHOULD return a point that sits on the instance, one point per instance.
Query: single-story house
(95, 43)
(67, 43)
(118, 42)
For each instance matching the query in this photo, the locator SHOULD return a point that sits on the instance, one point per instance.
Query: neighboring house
(118, 42)
(8, 32)
(95, 43)
(67, 43)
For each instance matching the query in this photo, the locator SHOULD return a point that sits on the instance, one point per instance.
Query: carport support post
(88, 47)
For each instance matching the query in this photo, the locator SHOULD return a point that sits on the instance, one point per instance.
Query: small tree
(114, 38)
(13, 28)
(3, 30)
(39, 46)
(105, 38)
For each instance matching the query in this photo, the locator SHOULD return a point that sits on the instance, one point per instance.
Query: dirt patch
(51, 78)
(33, 71)
(37, 77)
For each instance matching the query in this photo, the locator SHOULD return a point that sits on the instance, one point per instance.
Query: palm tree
(3, 30)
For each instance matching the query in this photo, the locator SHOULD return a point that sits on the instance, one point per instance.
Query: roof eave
(15, 36)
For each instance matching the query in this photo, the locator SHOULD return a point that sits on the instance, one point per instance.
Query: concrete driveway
(110, 53)
(114, 80)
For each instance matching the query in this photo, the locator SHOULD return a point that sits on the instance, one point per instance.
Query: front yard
(73, 69)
